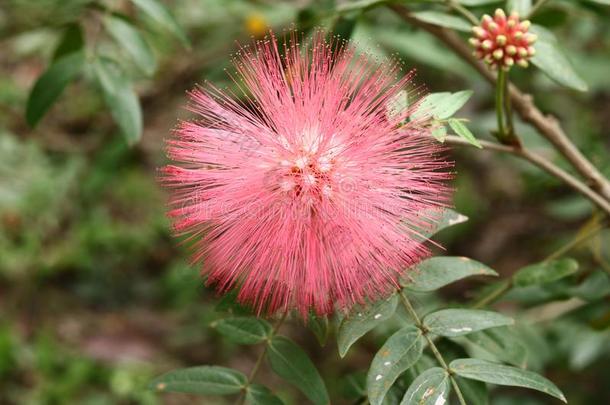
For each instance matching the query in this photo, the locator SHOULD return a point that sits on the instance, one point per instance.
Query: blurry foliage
(84, 243)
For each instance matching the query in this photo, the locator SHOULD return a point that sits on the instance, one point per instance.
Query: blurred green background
(96, 297)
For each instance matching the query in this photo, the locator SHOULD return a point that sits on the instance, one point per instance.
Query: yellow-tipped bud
(501, 40)
(508, 61)
(498, 54)
(531, 51)
(531, 38)
(525, 25)
(474, 42)
(500, 13)
(523, 63)
(479, 32)
(522, 52)
(511, 50)
(487, 44)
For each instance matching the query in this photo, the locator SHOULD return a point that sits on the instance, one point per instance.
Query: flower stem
(437, 354)
(502, 133)
(508, 113)
(261, 357)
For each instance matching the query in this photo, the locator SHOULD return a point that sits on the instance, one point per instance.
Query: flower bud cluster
(503, 41)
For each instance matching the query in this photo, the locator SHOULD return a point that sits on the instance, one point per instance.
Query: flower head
(503, 41)
(306, 194)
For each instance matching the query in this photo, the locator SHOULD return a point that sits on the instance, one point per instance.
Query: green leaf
(437, 272)
(394, 396)
(430, 388)
(441, 106)
(243, 330)
(443, 20)
(603, 2)
(522, 7)
(474, 392)
(448, 218)
(545, 272)
(425, 362)
(205, 380)
(502, 343)
(399, 353)
(319, 326)
(439, 131)
(130, 39)
(458, 322)
(462, 130)
(291, 363)
(594, 287)
(120, 98)
(504, 375)
(229, 303)
(71, 41)
(353, 385)
(362, 320)
(552, 61)
(51, 84)
(257, 394)
(159, 13)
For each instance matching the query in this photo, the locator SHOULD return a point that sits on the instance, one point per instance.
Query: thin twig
(463, 10)
(437, 354)
(535, 8)
(585, 233)
(580, 238)
(542, 163)
(548, 126)
(261, 357)
(504, 287)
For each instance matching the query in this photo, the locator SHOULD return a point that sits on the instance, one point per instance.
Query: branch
(542, 163)
(548, 126)
(439, 357)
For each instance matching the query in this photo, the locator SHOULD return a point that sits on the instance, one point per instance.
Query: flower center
(306, 174)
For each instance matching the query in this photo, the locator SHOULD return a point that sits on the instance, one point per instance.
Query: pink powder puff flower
(305, 193)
